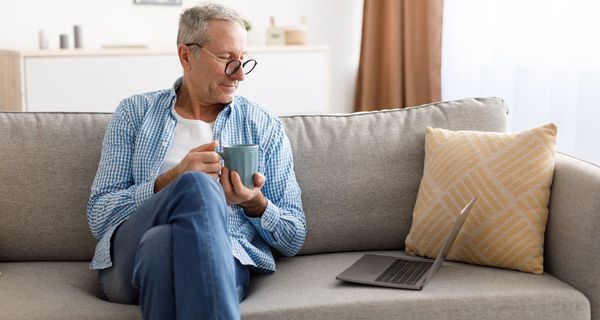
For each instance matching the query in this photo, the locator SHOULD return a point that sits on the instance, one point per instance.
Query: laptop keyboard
(406, 272)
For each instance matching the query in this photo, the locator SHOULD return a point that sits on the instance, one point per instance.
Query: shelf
(144, 51)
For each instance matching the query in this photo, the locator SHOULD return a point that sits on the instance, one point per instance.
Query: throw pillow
(509, 173)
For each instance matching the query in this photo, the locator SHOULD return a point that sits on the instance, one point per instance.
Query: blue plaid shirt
(135, 145)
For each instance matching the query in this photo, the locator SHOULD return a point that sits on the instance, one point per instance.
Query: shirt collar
(173, 92)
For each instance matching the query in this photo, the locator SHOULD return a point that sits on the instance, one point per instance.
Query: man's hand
(252, 200)
(202, 159)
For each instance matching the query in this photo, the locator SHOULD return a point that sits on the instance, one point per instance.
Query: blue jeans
(173, 255)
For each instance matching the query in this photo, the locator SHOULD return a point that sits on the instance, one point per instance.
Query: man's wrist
(255, 207)
(166, 178)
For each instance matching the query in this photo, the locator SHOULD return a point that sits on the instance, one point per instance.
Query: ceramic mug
(243, 159)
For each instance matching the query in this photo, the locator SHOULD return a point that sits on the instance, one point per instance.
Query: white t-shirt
(188, 134)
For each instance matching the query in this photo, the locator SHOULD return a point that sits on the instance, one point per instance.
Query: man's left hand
(252, 200)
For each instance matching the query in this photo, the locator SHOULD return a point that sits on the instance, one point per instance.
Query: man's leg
(202, 276)
(242, 279)
(154, 258)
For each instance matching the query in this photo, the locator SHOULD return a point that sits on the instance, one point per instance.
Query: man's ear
(185, 54)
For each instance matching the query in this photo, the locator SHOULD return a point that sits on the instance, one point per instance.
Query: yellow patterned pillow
(510, 173)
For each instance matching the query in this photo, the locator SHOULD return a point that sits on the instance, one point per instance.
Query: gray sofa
(359, 174)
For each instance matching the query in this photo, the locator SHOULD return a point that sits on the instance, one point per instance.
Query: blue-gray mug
(243, 159)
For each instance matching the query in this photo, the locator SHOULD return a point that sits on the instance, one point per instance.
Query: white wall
(336, 23)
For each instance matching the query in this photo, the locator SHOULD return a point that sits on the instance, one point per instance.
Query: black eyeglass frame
(239, 63)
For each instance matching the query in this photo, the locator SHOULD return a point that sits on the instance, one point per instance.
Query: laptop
(402, 272)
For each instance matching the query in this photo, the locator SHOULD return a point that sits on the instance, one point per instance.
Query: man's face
(207, 76)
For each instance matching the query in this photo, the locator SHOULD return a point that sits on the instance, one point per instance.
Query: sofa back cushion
(359, 175)
(48, 163)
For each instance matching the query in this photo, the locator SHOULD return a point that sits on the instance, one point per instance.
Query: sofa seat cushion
(305, 287)
(55, 290)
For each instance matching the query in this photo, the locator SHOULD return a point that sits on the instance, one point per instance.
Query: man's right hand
(202, 159)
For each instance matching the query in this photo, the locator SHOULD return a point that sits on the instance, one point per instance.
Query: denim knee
(115, 288)
(188, 180)
(153, 259)
(199, 185)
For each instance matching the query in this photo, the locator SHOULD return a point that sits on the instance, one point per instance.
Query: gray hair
(193, 23)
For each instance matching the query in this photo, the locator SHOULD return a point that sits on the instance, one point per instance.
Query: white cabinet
(287, 79)
(93, 83)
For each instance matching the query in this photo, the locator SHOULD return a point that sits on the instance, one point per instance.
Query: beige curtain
(400, 55)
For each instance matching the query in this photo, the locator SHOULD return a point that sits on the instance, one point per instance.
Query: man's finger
(259, 180)
(236, 182)
(211, 146)
(225, 180)
(207, 157)
(212, 167)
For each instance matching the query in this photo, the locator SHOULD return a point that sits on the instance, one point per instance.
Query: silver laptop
(402, 272)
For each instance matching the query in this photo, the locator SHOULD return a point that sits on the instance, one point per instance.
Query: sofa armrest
(572, 245)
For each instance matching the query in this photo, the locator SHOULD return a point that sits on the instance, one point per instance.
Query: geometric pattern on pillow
(509, 173)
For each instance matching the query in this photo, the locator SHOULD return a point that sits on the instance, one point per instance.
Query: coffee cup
(243, 159)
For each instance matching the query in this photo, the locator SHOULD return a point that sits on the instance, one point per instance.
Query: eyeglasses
(233, 65)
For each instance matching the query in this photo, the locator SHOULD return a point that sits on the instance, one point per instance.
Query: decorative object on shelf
(247, 25)
(77, 41)
(275, 35)
(290, 35)
(167, 2)
(64, 41)
(42, 40)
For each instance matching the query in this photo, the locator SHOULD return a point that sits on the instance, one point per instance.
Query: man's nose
(238, 74)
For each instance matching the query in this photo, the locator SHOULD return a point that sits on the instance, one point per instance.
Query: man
(177, 231)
